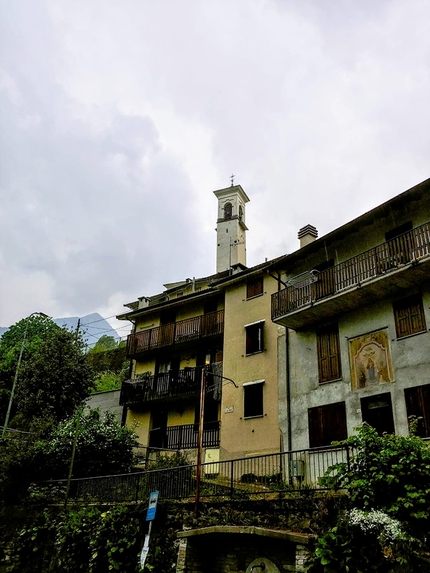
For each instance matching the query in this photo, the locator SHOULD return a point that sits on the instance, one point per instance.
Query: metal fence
(232, 479)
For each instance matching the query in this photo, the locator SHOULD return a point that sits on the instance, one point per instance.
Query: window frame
(254, 287)
(408, 310)
(328, 354)
(253, 392)
(323, 424)
(254, 337)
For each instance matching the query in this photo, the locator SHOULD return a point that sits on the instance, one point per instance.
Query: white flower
(377, 521)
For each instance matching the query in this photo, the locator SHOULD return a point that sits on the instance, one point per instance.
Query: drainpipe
(288, 387)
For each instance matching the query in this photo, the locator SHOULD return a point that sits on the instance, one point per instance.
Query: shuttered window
(327, 424)
(254, 287)
(418, 405)
(409, 316)
(328, 349)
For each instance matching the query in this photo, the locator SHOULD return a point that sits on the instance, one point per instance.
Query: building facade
(355, 306)
(297, 351)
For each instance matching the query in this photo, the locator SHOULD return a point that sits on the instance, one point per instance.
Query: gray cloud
(117, 124)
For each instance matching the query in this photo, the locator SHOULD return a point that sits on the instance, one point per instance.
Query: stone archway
(237, 549)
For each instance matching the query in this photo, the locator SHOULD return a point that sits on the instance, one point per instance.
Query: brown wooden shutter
(409, 316)
(254, 287)
(327, 424)
(328, 350)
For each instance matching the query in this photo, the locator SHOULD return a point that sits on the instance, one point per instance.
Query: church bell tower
(231, 228)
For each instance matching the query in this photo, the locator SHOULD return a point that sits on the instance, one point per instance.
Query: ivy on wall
(99, 539)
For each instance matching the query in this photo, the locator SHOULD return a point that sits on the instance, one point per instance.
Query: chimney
(307, 235)
(143, 302)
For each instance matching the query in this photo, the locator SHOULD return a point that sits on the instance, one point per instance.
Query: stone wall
(238, 549)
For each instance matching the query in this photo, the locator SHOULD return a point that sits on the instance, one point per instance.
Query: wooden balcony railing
(202, 326)
(380, 260)
(185, 436)
(171, 384)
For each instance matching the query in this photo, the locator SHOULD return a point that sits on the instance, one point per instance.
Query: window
(377, 411)
(327, 424)
(409, 316)
(418, 404)
(228, 211)
(254, 337)
(328, 350)
(253, 399)
(254, 287)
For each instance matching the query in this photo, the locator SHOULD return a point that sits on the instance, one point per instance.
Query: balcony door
(158, 432)
(167, 327)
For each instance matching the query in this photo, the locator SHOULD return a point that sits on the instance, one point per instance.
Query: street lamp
(15, 380)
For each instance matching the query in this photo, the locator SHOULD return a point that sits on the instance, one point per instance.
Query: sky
(119, 118)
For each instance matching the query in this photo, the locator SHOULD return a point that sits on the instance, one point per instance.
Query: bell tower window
(228, 210)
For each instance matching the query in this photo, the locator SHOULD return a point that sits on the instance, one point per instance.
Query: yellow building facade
(218, 327)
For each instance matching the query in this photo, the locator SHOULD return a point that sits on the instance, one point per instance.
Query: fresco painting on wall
(370, 360)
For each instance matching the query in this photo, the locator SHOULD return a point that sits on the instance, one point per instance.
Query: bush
(388, 481)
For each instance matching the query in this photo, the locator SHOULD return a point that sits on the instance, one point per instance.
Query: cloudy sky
(120, 117)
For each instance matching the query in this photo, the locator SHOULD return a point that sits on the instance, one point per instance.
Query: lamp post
(200, 439)
(200, 434)
(15, 380)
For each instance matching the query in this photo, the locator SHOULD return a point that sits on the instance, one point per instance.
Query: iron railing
(380, 260)
(170, 384)
(185, 436)
(191, 329)
(258, 475)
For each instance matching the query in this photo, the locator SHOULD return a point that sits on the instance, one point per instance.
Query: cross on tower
(232, 179)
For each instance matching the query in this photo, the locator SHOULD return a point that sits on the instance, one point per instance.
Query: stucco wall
(240, 436)
(410, 359)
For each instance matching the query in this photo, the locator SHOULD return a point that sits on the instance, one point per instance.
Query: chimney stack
(307, 235)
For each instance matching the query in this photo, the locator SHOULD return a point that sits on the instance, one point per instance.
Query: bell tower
(231, 228)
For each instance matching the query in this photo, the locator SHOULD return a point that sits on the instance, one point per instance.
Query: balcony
(394, 266)
(185, 436)
(169, 385)
(191, 329)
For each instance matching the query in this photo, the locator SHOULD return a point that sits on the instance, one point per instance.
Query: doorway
(377, 411)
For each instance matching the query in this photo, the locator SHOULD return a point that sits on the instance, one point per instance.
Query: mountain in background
(92, 326)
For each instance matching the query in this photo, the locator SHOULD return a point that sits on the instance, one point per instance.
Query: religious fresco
(370, 360)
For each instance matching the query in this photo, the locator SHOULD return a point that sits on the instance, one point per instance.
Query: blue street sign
(152, 506)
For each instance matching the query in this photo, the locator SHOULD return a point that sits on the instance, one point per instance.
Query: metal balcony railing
(195, 328)
(185, 436)
(410, 247)
(171, 384)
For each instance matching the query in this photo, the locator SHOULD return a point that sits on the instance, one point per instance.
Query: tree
(54, 376)
(109, 362)
(105, 342)
(103, 446)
